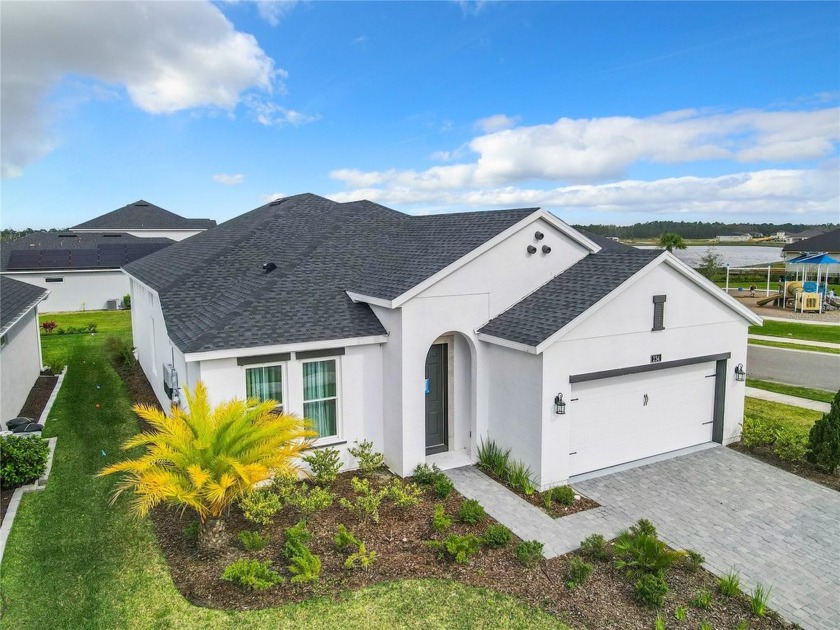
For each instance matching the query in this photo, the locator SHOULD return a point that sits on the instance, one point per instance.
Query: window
(265, 383)
(658, 312)
(53, 279)
(320, 396)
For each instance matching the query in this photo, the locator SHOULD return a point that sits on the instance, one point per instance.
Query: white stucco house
(20, 344)
(82, 266)
(428, 334)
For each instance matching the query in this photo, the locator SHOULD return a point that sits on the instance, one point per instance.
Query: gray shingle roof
(75, 250)
(142, 215)
(539, 315)
(215, 294)
(828, 242)
(16, 298)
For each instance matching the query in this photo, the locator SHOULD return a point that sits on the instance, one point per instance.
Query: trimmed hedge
(22, 459)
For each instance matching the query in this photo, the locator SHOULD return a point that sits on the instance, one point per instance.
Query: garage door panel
(625, 418)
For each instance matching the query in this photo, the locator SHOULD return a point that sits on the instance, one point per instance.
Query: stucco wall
(20, 364)
(79, 290)
(620, 336)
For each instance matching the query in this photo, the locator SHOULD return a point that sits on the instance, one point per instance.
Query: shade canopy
(814, 259)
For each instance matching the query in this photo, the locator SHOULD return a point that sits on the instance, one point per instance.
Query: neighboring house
(20, 344)
(822, 243)
(82, 271)
(145, 220)
(801, 236)
(733, 238)
(429, 334)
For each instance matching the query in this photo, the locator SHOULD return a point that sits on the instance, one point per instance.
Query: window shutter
(658, 312)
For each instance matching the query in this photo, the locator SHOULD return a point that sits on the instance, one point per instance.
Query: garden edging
(38, 484)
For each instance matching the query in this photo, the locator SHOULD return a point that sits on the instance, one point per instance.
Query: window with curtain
(265, 383)
(320, 397)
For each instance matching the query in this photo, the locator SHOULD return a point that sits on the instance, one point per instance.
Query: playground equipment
(788, 292)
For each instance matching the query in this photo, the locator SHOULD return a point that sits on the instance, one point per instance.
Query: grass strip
(792, 390)
(793, 346)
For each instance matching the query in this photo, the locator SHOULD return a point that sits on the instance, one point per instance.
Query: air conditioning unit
(111, 305)
(170, 380)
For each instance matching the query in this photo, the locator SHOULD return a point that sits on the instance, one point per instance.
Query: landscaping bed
(800, 468)
(40, 393)
(553, 508)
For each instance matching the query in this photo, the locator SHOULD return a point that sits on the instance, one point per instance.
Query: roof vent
(532, 249)
(546, 249)
(269, 267)
(112, 235)
(67, 236)
(539, 236)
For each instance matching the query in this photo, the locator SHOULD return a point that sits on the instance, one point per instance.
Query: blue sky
(600, 112)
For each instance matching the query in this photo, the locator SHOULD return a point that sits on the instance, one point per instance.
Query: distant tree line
(698, 229)
(9, 234)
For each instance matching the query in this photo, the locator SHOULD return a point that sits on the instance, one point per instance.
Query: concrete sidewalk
(784, 399)
(798, 342)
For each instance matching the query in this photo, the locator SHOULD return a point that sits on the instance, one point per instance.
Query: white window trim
(284, 381)
(339, 396)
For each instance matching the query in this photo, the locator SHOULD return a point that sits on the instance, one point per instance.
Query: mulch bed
(535, 498)
(139, 389)
(34, 406)
(801, 469)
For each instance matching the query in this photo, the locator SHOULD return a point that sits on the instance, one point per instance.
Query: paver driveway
(772, 526)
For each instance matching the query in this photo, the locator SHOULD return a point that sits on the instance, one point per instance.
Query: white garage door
(625, 418)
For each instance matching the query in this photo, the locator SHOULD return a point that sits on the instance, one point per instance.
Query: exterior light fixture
(559, 405)
(740, 374)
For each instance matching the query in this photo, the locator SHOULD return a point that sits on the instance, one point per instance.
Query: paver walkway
(771, 526)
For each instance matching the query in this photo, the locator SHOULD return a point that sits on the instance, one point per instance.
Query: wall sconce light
(740, 374)
(559, 405)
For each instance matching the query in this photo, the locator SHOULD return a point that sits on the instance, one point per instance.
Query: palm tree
(205, 458)
(671, 241)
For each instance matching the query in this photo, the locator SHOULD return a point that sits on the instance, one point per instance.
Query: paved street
(807, 369)
(773, 527)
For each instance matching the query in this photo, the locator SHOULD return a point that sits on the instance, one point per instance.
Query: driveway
(771, 526)
(797, 367)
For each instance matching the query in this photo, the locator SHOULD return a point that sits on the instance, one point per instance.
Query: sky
(601, 112)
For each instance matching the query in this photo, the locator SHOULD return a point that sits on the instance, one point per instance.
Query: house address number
(656, 358)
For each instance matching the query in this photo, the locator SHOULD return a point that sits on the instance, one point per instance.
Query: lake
(732, 255)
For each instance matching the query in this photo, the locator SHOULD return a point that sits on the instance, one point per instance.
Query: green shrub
(702, 600)
(120, 351)
(758, 431)
(640, 552)
(457, 548)
(680, 613)
(22, 459)
(253, 541)
(729, 584)
(564, 495)
(295, 537)
(595, 547)
(309, 500)
(362, 558)
(425, 475)
(693, 560)
(471, 512)
(659, 623)
(529, 552)
(492, 458)
(443, 487)
(440, 521)
(259, 506)
(90, 327)
(191, 530)
(305, 566)
(520, 478)
(325, 464)
(705, 625)
(344, 538)
(251, 574)
(791, 445)
(497, 536)
(578, 572)
(650, 590)
(366, 457)
(366, 505)
(404, 495)
(760, 598)
(126, 301)
(824, 439)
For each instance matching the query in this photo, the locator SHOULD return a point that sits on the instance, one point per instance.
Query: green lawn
(794, 417)
(58, 348)
(792, 390)
(792, 331)
(74, 561)
(793, 346)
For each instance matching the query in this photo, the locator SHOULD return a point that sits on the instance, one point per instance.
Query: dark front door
(436, 384)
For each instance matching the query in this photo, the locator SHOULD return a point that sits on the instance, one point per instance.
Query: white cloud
(169, 56)
(472, 7)
(229, 180)
(497, 122)
(272, 11)
(269, 113)
(272, 197)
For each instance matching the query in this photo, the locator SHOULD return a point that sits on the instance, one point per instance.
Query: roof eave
(233, 353)
(506, 343)
(25, 312)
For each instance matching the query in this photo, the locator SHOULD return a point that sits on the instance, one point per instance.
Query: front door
(436, 384)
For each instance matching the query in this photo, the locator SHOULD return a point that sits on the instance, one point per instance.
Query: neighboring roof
(16, 300)
(142, 215)
(806, 234)
(215, 294)
(58, 251)
(828, 242)
(607, 244)
(539, 315)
